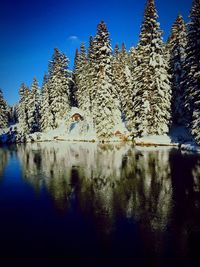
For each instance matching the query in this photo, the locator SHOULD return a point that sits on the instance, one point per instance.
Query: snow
(178, 136)
(155, 140)
(78, 132)
(193, 147)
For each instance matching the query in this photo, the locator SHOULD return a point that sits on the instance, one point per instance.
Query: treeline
(151, 87)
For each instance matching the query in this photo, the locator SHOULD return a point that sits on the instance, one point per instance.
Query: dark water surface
(99, 205)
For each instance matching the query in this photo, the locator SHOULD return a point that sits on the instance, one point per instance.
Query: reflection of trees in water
(3, 160)
(145, 192)
(158, 190)
(103, 180)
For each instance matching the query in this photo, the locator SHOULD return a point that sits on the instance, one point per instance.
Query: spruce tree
(192, 69)
(46, 121)
(132, 54)
(83, 93)
(123, 81)
(91, 72)
(22, 109)
(126, 85)
(58, 84)
(151, 85)
(176, 45)
(34, 107)
(105, 108)
(73, 82)
(117, 69)
(3, 111)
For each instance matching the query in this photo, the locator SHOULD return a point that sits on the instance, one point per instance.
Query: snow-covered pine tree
(22, 109)
(73, 82)
(132, 54)
(105, 107)
(58, 84)
(176, 45)
(126, 85)
(151, 82)
(46, 121)
(3, 111)
(123, 81)
(117, 72)
(83, 92)
(34, 107)
(192, 69)
(91, 81)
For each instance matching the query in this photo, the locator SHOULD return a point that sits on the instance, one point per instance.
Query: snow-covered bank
(178, 137)
(157, 141)
(163, 140)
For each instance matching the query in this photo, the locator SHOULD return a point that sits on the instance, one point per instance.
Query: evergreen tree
(83, 93)
(123, 81)
(151, 85)
(176, 45)
(3, 111)
(132, 55)
(34, 107)
(58, 84)
(91, 71)
(126, 85)
(73, 82)
(23, 107)
(46, 121)
(192, 71)
(117, 70)
(105, 108)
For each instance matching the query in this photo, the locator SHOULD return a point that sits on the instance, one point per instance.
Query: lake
(88, 204)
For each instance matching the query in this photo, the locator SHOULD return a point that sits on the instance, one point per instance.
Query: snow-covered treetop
(83, 54)
(23, 91)
(102, 45)
(116, 50)
(76, 59)
(35, 86)
(150, 29)
(59, 62)
(91, 55)
(178, 26)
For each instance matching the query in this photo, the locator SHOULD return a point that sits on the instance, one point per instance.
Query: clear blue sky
(31, 29)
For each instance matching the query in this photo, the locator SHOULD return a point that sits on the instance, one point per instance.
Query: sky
(31, 29)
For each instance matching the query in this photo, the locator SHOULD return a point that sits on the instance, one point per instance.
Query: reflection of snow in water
(108, 178)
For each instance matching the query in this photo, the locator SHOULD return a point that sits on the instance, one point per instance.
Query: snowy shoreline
(178, 137)
(146, 143)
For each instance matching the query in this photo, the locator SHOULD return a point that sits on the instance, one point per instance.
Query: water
(99, 205)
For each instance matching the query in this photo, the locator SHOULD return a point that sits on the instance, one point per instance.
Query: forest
(149, 88)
